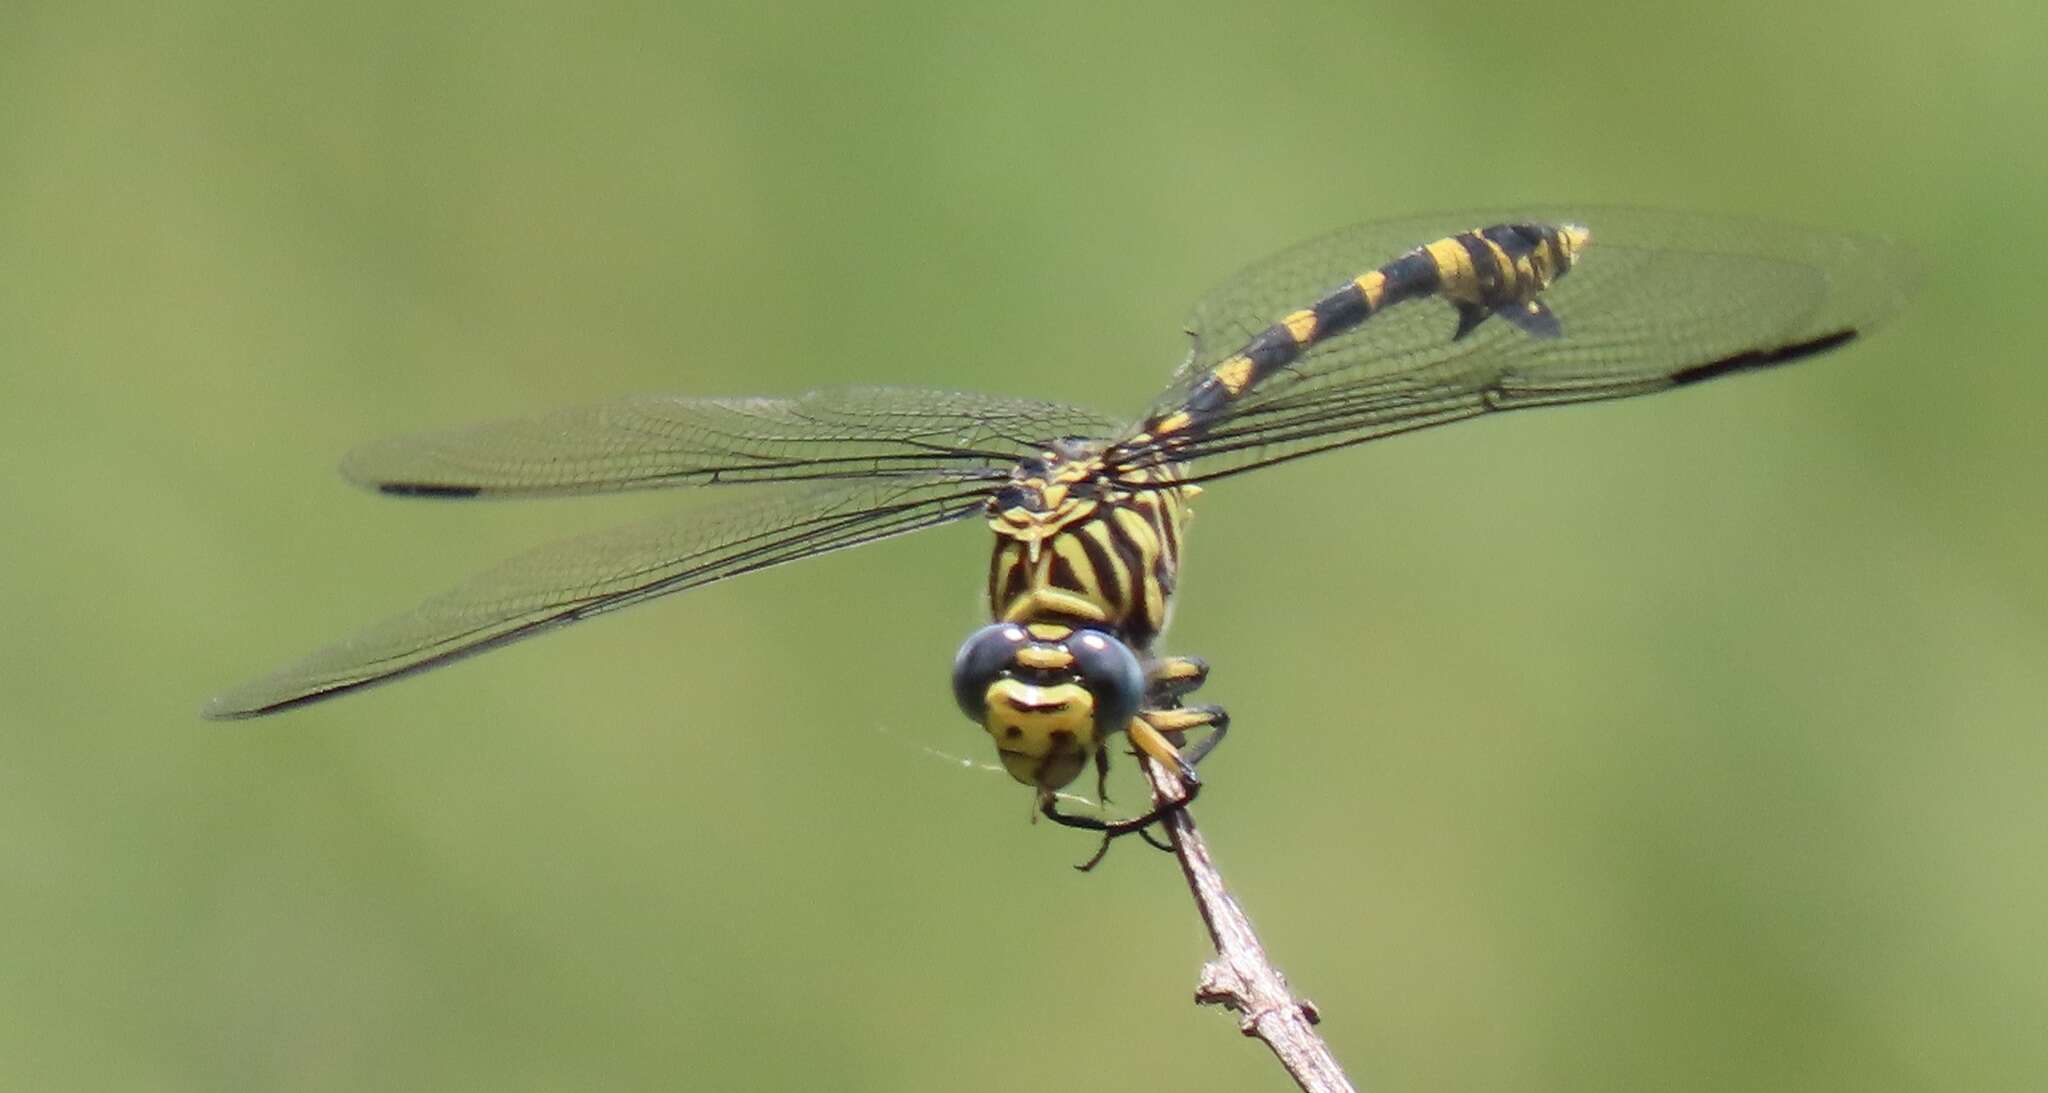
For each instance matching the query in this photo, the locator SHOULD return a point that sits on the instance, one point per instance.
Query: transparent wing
(1657, 300)
(577, 578)
(660, 440)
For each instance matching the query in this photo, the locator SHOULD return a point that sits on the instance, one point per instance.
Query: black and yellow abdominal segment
(1594, 304)
(1503, 269)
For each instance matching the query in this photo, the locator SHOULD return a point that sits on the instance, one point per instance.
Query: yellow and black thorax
(1082, 544)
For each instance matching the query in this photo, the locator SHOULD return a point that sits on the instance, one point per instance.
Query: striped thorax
(1077, 544)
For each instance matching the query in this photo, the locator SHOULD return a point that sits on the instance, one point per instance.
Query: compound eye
(983, 657)
(1111, 673)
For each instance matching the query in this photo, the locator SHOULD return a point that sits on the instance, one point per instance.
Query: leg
(1169, 678)
(1102, 775)
(1185, 718)
(1167, 681)
(1153, 733)
(1147, 732)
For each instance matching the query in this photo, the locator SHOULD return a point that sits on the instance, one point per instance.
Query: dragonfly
(1368, 332)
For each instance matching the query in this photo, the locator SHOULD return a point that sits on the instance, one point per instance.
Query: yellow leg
(1182, 719)
(1168, 678)
(1148, 734)
(1149, 739)
(1154, 733)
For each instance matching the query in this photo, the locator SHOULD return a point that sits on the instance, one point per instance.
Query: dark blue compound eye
(983, 657)
(1111, 673)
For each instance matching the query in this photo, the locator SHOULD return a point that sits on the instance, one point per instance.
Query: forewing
(578, 578)
(1657, 300)
(661, 440)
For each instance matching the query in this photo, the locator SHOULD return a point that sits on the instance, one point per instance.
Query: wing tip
(424, 489)
(225, 708)
(374, 468)
(1752, 359)
(261, 700)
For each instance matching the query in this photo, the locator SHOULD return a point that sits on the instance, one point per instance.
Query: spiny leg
(1154, 733)
(1182, 719)
(1166, 681)
(1147, 732)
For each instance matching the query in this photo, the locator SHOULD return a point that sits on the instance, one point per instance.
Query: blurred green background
(1689, 743)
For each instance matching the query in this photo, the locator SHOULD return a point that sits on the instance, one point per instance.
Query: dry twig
(1240, 976)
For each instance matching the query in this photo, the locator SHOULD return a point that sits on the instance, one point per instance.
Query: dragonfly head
(1048, 695)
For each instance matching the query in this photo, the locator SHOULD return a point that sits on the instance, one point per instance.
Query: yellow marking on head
(1454, 273)
(1048, 631)
(1044, 735)
(1301, 326)
(1234, 374)
(1036, 656)
(1373, 286)
(1172, 423)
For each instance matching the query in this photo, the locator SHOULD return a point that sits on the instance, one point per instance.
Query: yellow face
(1048, 694)
(1044, 735)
